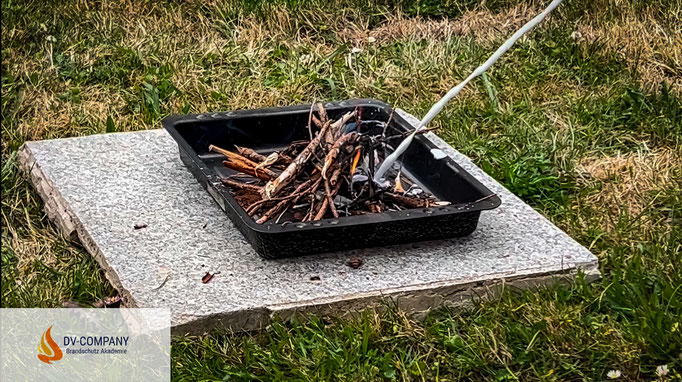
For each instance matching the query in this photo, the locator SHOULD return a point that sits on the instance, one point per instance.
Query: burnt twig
(300, 191)
(240, 185)
(273, 187)
(242, 164)
(249, 153)
(406, 200)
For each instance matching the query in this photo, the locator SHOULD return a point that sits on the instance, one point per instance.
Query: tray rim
(213, 184)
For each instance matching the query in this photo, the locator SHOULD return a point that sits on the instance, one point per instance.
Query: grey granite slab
(97, 188)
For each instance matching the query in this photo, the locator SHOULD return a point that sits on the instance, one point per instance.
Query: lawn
(582, 119)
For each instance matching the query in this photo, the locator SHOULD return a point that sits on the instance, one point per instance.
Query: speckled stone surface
(97, 188)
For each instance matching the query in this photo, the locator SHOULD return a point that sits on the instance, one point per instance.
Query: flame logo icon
(49, 351)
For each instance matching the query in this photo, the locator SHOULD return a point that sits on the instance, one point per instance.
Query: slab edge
(416, 302)
(65, 220)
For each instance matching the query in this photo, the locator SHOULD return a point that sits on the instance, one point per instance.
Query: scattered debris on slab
(355, 262)
(208, 277)
(329, 175)
(165, 280)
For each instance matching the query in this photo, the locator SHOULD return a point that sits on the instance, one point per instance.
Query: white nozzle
(438, 106)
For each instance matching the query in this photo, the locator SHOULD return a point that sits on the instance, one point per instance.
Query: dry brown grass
(647, 45)
(483, 25)
(628, 180)
(43, 115)
(174, 37)
(250, 31)
(171, 36)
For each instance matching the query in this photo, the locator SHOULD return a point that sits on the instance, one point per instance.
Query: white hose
(438, 106)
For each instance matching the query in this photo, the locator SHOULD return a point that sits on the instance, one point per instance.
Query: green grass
(556, 103)
(39, 268)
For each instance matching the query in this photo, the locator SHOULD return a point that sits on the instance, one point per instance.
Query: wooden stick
(323, 209)
(240, 185)
(295, 146)
(310, 118)
(329, 202)
(228, 154)
(314, 177)
(253, 208)
(233, 157)
(310, 215)
(335, 177)
(332, 194)
(242, 164)
(406, 200)
(287, 176)
(263, 174)
(250, 153)
(247, 168)
(285, 159)
(336, 148)
(273, 187)
(317, 122)
(260, 158)
(323, 113)
(297, 194)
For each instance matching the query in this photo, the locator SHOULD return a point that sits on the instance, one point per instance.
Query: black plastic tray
(267, 130)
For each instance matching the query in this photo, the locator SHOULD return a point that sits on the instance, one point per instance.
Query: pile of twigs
(328, 175)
